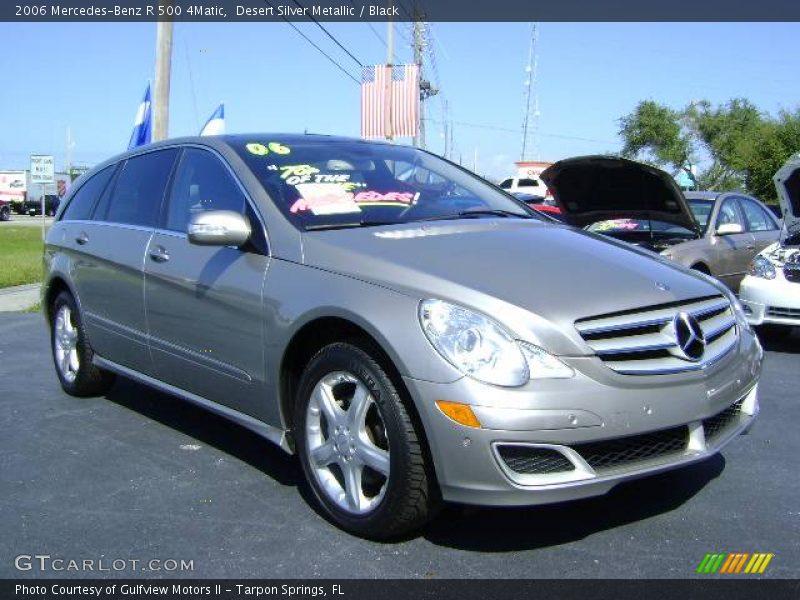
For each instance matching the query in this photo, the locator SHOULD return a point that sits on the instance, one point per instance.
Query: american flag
(390, 101)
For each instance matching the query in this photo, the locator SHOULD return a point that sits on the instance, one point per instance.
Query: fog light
(460, 413)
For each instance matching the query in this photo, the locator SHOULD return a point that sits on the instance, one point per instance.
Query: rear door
(111, 277)
(204, 303)
(760, 223)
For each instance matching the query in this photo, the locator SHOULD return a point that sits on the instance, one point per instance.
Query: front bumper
(590, 424)
(770, 301)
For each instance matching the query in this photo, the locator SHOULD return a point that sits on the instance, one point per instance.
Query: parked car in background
(770, 293)
(5, 210)
(524, 185)
(33, 206)
(540, 203)
(714, 233)
(411, 339)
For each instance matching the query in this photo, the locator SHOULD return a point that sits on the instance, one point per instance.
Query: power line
(328, 33)
(368, 24)
(321, 51)
(517, 131)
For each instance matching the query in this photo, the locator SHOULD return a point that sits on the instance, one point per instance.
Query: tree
(739, 147)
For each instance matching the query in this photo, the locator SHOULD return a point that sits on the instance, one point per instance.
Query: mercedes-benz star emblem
(689, 336)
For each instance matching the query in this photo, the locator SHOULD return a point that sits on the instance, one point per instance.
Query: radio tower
(530, 123)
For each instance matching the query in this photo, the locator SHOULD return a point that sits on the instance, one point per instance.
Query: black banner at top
(399, 10)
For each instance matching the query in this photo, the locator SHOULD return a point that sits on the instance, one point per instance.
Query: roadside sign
(43, 168)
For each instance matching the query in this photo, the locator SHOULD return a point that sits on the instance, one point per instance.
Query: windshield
(322, 184)
(701, 209)
(639, 225)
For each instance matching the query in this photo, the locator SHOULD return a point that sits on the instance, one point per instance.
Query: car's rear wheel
(72, 352)
(358, 446)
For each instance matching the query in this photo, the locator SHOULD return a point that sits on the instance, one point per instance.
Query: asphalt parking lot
(140, 475)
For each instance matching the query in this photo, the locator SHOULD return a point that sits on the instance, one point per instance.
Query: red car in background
(543, 204)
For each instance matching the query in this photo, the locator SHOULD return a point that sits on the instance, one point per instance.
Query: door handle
(159, 254)
(82, 239)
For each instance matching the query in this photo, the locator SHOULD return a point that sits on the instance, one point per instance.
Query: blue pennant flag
(216, 123)
(143, 124)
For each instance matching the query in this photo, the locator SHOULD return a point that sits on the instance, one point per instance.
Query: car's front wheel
(5, 213)
(72, 352)
(358, 446)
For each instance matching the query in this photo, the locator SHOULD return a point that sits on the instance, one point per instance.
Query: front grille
(719, 423)
(530, 460)
(792, 272)
(783, 313)
(645, 341)
(626, 451)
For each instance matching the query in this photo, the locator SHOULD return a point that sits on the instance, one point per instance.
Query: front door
(204, 303)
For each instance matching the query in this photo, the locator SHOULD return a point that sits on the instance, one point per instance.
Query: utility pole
(419, 139)
(426, 90)
(389, 63)
(163, 71)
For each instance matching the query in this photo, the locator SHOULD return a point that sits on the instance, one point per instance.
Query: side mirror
(219, 228)
(729, 229)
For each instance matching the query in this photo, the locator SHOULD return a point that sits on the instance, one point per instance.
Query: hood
(787, 183)
(589, 189)
(544, 276)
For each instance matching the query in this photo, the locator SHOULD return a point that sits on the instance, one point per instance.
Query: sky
(90, 77)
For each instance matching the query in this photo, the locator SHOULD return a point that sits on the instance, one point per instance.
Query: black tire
(774, 332)
(5, 213)
(89, 380)
(411, 495)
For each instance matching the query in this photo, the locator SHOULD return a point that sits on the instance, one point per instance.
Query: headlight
(762, 267)
(480, 348)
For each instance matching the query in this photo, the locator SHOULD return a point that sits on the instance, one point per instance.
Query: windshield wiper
(346, 225)
(478, 212)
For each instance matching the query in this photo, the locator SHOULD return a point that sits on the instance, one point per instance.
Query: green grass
(20, 255)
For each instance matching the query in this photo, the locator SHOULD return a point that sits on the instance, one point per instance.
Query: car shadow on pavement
(467, 528)
(510, 529)
(211, 429)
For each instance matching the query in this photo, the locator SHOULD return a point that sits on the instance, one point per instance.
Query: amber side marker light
(460, 413)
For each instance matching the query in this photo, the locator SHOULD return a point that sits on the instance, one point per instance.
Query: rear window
(139, 189)
(701, 209)
(81, 205)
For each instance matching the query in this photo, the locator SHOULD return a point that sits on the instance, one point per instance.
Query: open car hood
(589, 189)
(787, 183)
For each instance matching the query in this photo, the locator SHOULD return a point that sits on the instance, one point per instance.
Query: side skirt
(273, 434)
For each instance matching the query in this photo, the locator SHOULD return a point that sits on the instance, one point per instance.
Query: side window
(757, 219)
(729, 213)
(201, 183)
(139, 189)
(506, 184)
(82, 203)
(528, 183)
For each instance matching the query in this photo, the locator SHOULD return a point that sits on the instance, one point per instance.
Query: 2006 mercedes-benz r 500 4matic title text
(412, 332)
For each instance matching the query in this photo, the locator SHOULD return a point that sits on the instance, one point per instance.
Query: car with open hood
(712, 232)
(770, 293)
(410, 331)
